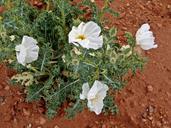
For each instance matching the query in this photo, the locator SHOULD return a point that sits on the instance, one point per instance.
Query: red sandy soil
(144, 103)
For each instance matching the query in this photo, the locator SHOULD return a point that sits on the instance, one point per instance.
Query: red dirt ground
(144, 103)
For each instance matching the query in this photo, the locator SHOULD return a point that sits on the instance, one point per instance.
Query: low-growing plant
(62, 66)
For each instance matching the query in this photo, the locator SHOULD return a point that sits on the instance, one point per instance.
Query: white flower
(87, 35)
(95, 95)
(145, 38)
(27, 51)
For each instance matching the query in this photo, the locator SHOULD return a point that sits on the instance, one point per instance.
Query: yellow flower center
(81, 37)
(96, 99)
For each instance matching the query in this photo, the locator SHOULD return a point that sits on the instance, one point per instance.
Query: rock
(124, 28)
(168, 6)
(104, 126)
(29, 126)
(168, 94)
(158, 124)
(39, 127)
(149, 88)
(96, 122)
(127, 4)
(151, 109)
(159, 25)
(26, 112)
(2, 99)
(144, 120)
(7, 88)
(150, 118)
(15, 120)
(56, 126)
(42, 120)
(144, 115)
(142, 104)
(151, 100)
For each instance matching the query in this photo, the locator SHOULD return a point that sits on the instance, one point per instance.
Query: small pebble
(39, 127)
(150, 118)
(168, 6)
(149, 88)
(168, 94)
(2, 99)
(56, 126)
(26, 112)
(158, 124)
(104, 126)
(7, 88)
(127, 4)
(42, 120)
(144, 120)
(29, 126)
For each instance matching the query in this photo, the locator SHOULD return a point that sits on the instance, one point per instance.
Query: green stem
(43, 62)
(5, 50)
(63, 21)
(63, 89)
(48, 5)
(102, 12)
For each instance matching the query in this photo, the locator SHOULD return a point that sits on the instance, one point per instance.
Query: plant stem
(63, 20)
(102, 12)
(63, 89)
(42, 65)
(48, 5)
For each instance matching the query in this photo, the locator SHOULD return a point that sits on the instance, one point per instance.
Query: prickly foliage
(59, 71)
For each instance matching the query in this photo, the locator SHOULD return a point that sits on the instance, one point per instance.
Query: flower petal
(21, 57)
(95, 43)
(28, 41)
(147, 47)
(85, 90)
(97, 107)
(143, 28)
(98, 87)
(91, 29)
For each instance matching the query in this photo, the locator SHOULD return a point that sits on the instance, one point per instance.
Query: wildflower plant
(61, 57)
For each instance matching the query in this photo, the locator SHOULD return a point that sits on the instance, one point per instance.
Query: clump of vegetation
(62, 68)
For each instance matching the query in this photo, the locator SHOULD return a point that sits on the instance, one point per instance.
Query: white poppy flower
(27, 51)
(95, 95)
(87, 35)
(145, 38)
